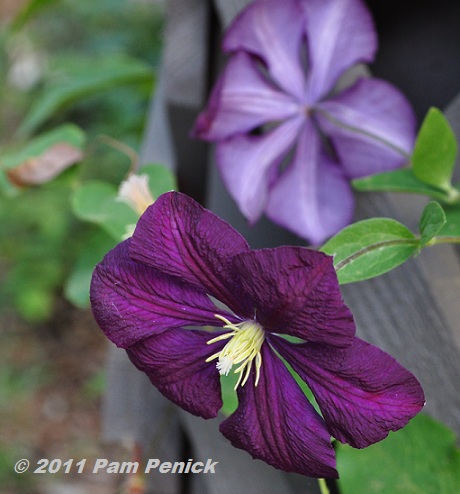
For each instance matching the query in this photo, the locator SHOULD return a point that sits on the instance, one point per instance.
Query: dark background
(419, 49)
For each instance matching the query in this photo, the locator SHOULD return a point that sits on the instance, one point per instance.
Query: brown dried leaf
(43, 168)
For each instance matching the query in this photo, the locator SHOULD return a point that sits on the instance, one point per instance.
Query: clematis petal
(275, 423)
(340, 34)
(241, 101)
(362, 391)
(295, 290)
(371, 125)
(312, 198)
(175, 362)
(247, 164)
(131, 301)
(261, 30)
(179, 237)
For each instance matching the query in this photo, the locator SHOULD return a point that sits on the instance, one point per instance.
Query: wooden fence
(412, 312)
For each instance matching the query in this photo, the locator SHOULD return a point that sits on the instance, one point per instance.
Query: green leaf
(370, 248)
(229, 397)
(86, 77)
(435, 151)
(15, 156)
(34, 304)
(96, 202)
(28, 11)
(161, 179)
(452, 225)
(76, 288)
(431, 222)
(34, 285)
(421, 458)
(68, 133)
(398, 181)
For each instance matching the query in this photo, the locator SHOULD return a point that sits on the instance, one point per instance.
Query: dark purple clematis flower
(151, 290)
(287, 144)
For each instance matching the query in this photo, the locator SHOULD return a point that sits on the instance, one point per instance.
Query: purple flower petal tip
(275, 433)
(362, 391)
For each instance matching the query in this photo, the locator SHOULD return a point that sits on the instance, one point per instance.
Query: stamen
(246, 339)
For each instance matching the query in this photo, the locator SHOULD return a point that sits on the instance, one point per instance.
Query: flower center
(244, 346)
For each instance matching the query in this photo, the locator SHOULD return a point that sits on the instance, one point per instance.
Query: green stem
(443, 240)
(409, 241)
(453, 195)
(123, 148)
(323, 486)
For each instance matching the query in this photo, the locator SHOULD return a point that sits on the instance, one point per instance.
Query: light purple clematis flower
(152, 291)
(287, 144)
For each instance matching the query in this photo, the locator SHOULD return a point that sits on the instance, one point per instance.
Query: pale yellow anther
(246, 340)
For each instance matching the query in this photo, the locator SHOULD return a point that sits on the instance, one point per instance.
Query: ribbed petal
(312, 198)
(372, 127)
(275, 423)
(247, 164)
(340, 34)
(131, 301)
(175, 362)
(362, 391)
(241, 101)
(295, 290)
(179, 237)
(273, 31)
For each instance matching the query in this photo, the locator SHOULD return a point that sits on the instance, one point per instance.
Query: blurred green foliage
(421, 458)
(88, 63)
